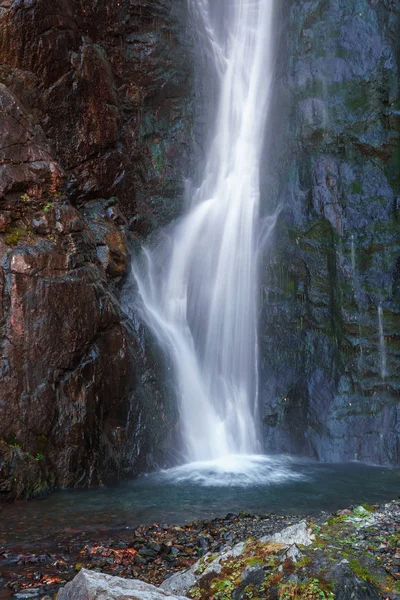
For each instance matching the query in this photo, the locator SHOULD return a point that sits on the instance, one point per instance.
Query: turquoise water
(201, 492)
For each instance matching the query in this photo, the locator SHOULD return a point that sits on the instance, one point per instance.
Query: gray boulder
(299, 533)
(90, 585)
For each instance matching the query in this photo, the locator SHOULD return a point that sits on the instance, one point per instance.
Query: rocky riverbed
(355, 549)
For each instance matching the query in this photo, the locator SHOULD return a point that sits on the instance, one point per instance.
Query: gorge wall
(333, 161)
(95, 126)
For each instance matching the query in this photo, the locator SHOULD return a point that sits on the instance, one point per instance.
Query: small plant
(223, 589)
(338, 519)
(12, 238)
(308, 590)
(303, 562)
(47, 206)
(362, 572)
(39, 456)
(195, 592)
(369, 508)
(26, 197)
(315, 528)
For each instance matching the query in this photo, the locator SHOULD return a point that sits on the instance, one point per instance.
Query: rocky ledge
(354, 554)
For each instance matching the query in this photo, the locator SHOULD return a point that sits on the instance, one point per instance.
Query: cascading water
(197, 288)
(382, 344)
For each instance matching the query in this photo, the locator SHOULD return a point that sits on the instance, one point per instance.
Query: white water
(382, 344)
(236, 470)
(353, 262)
(198, 286)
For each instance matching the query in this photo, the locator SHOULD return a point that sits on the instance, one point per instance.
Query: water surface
(199, 492)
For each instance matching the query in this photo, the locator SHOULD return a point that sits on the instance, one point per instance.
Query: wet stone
(5, 221)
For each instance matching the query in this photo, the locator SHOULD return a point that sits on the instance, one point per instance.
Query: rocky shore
(352, 554)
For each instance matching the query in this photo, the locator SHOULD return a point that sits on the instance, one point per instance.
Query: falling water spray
(198, 286)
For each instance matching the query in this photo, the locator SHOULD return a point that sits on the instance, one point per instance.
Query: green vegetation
(305, 561)
(314, 575)
(14, 235)
(338, 519)
(362, 572)
(312, 589)
(369, 508)
(12, 239)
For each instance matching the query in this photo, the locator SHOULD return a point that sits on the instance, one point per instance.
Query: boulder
(90, 585)
(300, 534)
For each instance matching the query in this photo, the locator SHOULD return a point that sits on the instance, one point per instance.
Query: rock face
(94, 122)
(89, 585)
(330, 321)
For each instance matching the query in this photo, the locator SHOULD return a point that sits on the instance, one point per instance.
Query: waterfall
(353, 262)
(198, 284)
(382, 345)
(356, 295)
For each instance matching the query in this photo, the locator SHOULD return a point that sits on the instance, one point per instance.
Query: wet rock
(91, 134)
(21, 476)
(294, 553)
(5, 221)
(114, 214)
(180, 583)
(348, 586)
(68, 219)
(40, 224)
(88, 585)
(300, 533)
(335, 173)
(24, 160)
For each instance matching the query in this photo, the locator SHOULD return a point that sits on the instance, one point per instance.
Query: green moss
(311, 589)
(253, 560)
(12, 239)
(303, 562)
(392, 170)
(369, 508)
(338, 519)
(14, 235)
(362, 572)
(41, 443)
(356, 187)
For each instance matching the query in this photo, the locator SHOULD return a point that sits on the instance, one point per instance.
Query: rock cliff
(95, 126)
(330, 321)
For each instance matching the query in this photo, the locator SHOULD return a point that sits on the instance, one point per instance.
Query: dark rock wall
(95, 126)
(333, 161)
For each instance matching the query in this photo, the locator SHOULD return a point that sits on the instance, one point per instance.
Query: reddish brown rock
(5, 220)
(93, 128)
